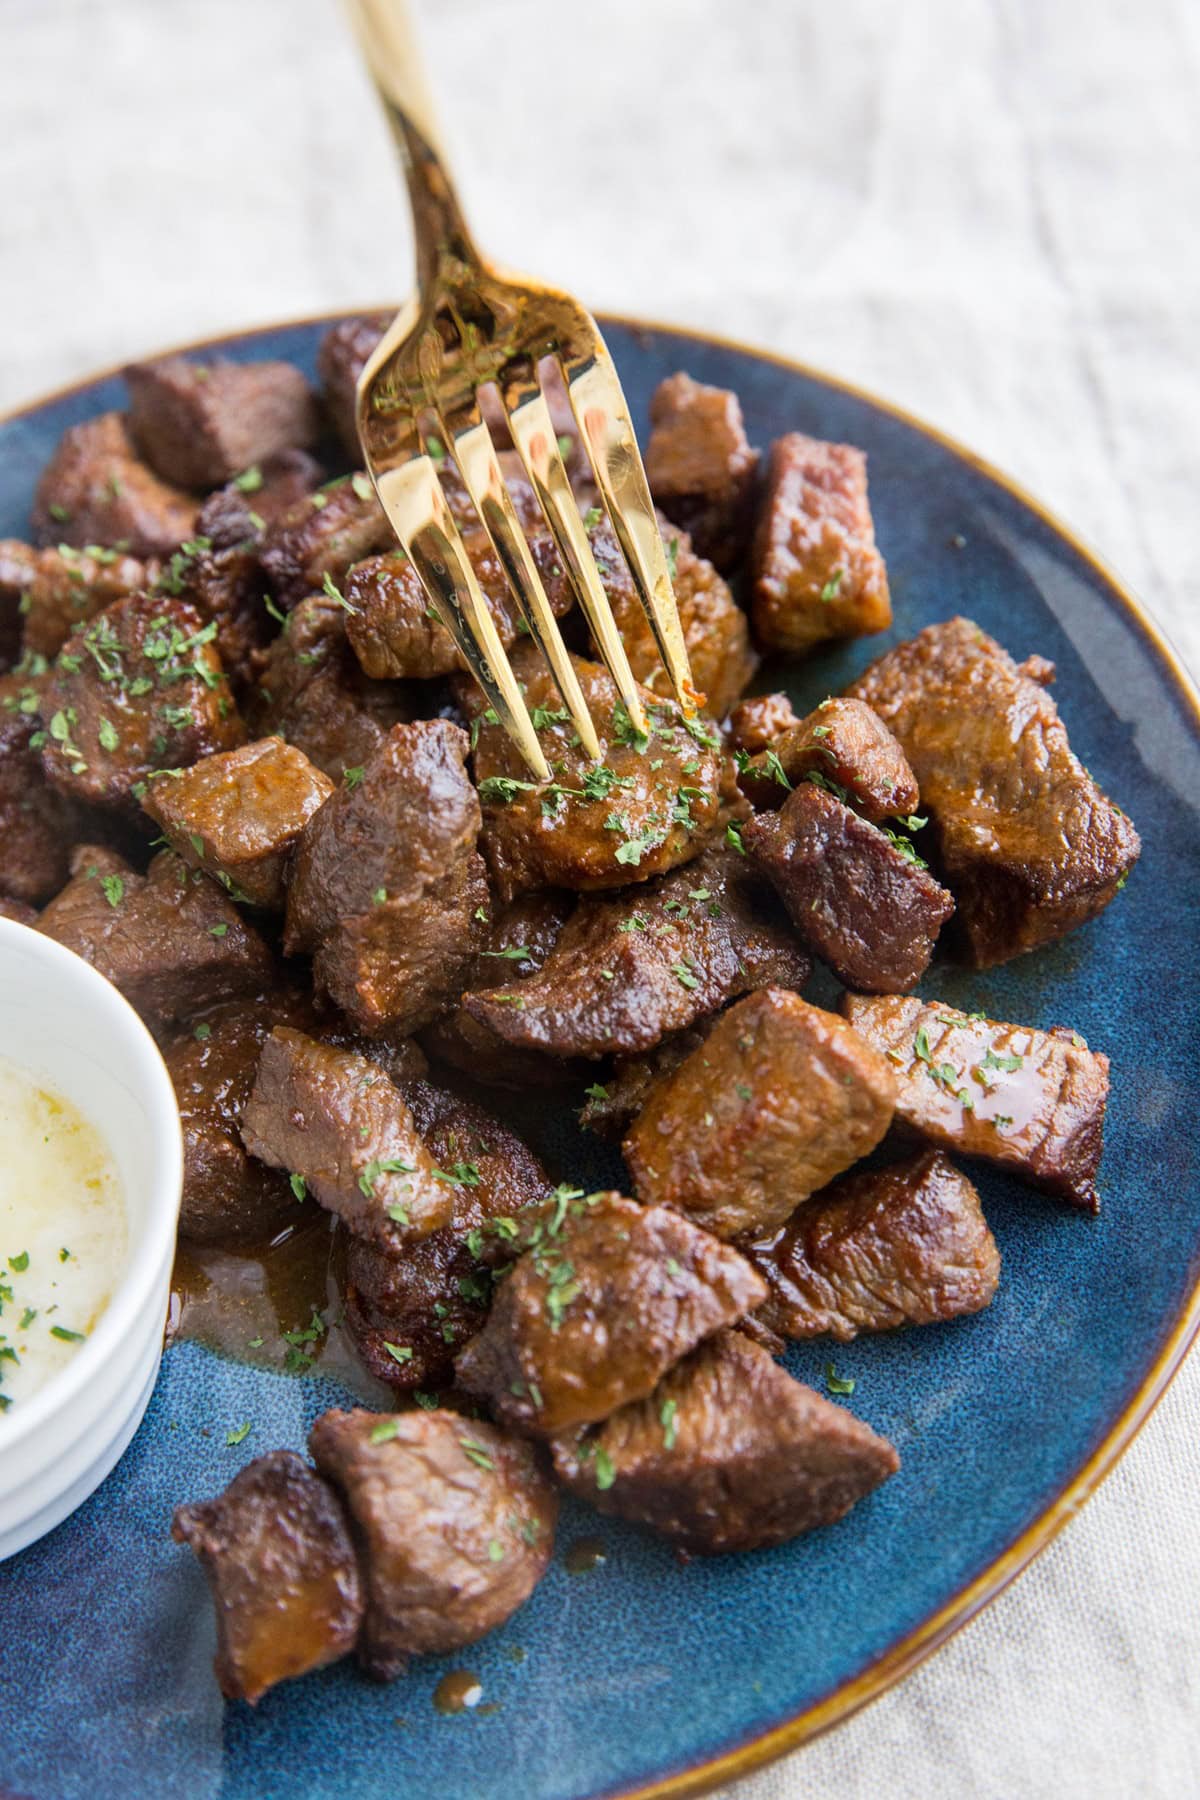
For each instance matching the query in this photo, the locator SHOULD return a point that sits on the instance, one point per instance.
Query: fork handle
(389, 45)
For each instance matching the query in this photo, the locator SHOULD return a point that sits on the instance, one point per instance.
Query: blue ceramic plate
(643, 1676)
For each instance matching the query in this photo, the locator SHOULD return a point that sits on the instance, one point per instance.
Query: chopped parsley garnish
(830, 590)
(352, 778)
(667, 1414)
(250, 480)
(838, 1384)
(775, 770)
(114, 889)
(388, 1165)
(386, 1430)
(672, 549)
(298, 1186)
(476, 1452)
(503, 788)
(19, 1264)
(511, 953)
(331, 588)
(733, 838)
(463, 1174)
(68, 1337)
(398, 1352)
(597, 1091)
(237, 1436)
(1008, 1063)
(606, 1474)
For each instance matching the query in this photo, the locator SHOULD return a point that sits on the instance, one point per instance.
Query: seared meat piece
(905, 1245)
(614, 1103)
(17, 911)
(755, 724)
(859, 897)
(198, 424)
(1032, 1101)
(240, 512)
(816, 571)
(1026, 841)
(336, 1120)
(607, 1296)
(386, 882)
(648, 806)
(728, 1453)
(455, 1523)
(700, 467)
(228, 1197)
(778, 1099)
(314, 543)
(277, 1552)
(515, 941)
(341, 354)
(169, 939)
(238, 816)
(410, 1314)
(631, 968)
(58, 590)
(314, 694)
(36, 823)
(140, 688)
(95, 491)
(843, 747)
(716, 633)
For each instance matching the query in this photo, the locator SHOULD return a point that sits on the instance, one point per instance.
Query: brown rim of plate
(904, 1656)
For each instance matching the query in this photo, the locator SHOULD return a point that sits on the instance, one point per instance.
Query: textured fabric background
(986, 210)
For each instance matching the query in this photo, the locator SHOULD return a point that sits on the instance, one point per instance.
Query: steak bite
(816, 571)
(778, 1099)
(17, 911)
(1025, 839)
(95, 491)
(198, 424)
(277, 1552)
(386, 882)
(36, 822)
(238, 816)
(700, 467)
(755, 724)
(843, 747)
(614, 1103)
(170, 939)
(861, 898)
(410, 1314)
(1031, 1101)
(140, 688)
(454, 1521)
(606, 1296)
(337, 1121)
(55, 591)
(314, 694)
(728, 1453)
(631, 968)
(905, 1245)
(341, 356)
(648, 805)
(311, 546)
(238, 513)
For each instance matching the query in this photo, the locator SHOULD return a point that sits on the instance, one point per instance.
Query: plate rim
(905, 1655)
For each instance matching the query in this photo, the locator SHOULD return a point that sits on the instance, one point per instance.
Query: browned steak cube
(140, 688)
(313, 693)
(239, 815)
(728, 1453)
(631, 968)
(700, 467)
(614, 1103)
(905, 1245)
(170, 939)
(756, 723)
(410, 1314)
(284, 1575)
(36, 822)
(341, 354)
(816, 571)
(337, 1121)
(843, 747)
(1031, 1101)
(55, 591)
(647, 806)
(310, 547)
(238, 513)
(455, 1521)
(716, 632)
(228, 1196)
(515, 940)
(1028, 844)
(198, 424)
(605, 1298)
(95, 491)
(386, 882)
(778, 1099)
(861, 898)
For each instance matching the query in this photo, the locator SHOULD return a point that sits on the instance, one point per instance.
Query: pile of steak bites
(243, 774)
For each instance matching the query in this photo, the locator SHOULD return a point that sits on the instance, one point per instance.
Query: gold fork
(469, 327)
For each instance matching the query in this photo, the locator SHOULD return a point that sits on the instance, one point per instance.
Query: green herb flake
(476, 1453)
(238, 1436)
(202, 1033)
(250, 480)
(830, 590)
(298, 1186)
(838, 1384)
(68, 1337)
(386, 1430)
(398, 1352)
(606, 1474)
(667, 1414)
(19, 1264)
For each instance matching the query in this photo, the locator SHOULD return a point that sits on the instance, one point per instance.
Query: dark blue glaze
(643, 1668)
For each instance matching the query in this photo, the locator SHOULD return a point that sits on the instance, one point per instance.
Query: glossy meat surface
(700, 467)
(59, 589)
(197, 424)
(341, 354)
(95, 490)
(319, 539)
(843, 747)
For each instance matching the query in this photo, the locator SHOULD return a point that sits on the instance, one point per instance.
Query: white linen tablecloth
(986, 210)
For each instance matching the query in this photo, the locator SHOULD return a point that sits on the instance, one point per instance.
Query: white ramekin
(63, 1022)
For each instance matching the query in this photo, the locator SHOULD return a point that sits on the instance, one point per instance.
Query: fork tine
(412, 497)
(483, 478)
(534, 435)
(603, 418)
